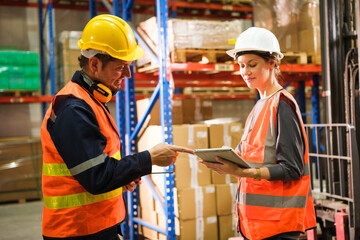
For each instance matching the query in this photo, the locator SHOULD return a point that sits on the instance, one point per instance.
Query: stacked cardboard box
(20, 169)
(296, 24)
(225, 205)
(69, 53)
(202, 199)
(192, 34)
(184, 111)
(309, 31)
(229, 135)
(195, 205)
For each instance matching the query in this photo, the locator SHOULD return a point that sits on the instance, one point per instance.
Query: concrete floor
(21, 221)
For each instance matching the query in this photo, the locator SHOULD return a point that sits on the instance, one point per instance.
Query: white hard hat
(256, 39)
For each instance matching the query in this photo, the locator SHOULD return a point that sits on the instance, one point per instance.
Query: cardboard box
(177, 111)
(225, 198)
(20, 168)
(149, 217)
(227, 227)
(281, 18)
(194, 33)
(188, 172)
(199, 228)
(197, 202)
(310, 15)
(310, 42)
(192, 229)
(146, 199)
(288, 37)
(197, 109)
(183, 111)
(222, 179)
(191, 136)
(69, 53)
(228, 134)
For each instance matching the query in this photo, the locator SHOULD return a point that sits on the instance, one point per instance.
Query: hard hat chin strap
(88, 53)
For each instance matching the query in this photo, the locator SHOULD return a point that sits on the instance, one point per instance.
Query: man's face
(113, 73)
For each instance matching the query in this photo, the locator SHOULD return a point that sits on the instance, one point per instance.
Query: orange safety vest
(69, 210)
(267, 208)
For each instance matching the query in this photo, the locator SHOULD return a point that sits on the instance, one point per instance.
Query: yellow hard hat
(112, 35)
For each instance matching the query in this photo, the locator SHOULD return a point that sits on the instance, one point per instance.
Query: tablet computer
(229, 154)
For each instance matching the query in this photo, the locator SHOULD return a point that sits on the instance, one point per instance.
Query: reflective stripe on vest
(60, 169)
(80, 199)
(261, 200)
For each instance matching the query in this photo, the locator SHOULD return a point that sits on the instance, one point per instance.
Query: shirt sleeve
(290, 145)
(78, 139)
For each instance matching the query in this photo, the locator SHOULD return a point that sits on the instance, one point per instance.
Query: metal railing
(335, 174)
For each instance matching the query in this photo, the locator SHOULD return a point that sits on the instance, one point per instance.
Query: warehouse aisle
(21, 221)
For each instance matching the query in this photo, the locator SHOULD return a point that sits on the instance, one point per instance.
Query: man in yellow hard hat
(84, 176)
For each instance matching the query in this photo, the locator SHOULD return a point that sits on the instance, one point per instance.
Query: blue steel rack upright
(132, 129)
(49, 11)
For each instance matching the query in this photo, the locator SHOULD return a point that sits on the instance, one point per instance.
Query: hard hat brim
(138, 53)
(232, 53)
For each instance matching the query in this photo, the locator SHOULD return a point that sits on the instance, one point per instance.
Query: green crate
(16, 78)
(32, 76)
(20, 70)
(4, 78)
(30, 59)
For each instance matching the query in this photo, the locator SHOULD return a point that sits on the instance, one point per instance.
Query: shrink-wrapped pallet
(189, 33)
(296, 24)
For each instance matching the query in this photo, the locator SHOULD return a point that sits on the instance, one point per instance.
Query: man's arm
(80, 143)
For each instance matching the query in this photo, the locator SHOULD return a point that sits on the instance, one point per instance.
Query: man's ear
(94, 64)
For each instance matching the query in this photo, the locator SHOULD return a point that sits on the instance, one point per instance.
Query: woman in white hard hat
(274, 196)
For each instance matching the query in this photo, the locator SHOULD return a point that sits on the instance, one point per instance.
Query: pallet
(294, 58)
(148, 68)
(227, 2)
(18, 93)
(199, 55)
(314, 59)
(20, 197)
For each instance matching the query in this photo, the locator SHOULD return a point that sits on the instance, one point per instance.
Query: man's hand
(131, 186)
(164, 154)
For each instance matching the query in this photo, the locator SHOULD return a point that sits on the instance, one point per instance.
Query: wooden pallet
(228, 2)
(294, 58)
(199, 55)
(314, 59)
(20, 197)
(18, 93)
(148, 68)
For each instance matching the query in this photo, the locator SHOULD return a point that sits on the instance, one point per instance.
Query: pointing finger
(181, 149)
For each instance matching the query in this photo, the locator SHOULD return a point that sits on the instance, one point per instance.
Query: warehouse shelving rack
(126, 117)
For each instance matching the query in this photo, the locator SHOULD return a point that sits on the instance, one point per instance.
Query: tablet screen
(229, 154)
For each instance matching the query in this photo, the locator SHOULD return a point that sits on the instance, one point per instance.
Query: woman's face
(256, 71)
